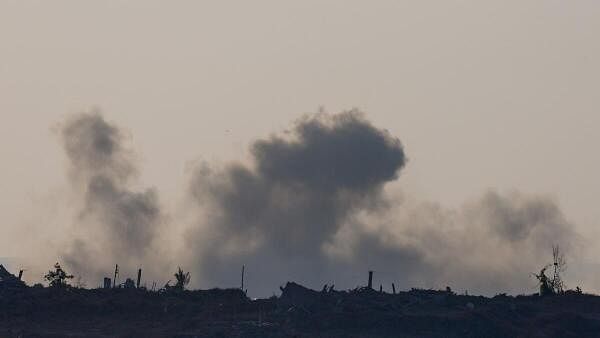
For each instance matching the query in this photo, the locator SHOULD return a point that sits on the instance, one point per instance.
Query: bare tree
(560, 266)
(554, 285)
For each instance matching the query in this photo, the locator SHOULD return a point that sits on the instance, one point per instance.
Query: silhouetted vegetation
(182, 279)
(554, 285)
(58, 277)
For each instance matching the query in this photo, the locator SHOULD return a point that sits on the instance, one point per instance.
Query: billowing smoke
(302, 190)
(115, 224)
(312, 208)
(314, 205)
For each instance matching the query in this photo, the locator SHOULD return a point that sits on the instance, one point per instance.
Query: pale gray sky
(484, 94)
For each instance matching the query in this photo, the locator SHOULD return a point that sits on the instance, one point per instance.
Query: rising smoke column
(115, 223)
(278, 215)
(311, 208)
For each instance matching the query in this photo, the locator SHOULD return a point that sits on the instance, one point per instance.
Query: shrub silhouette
(545, 282)
(58, 277)
(182, 278)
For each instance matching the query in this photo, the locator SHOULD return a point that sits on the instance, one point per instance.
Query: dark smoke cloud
(312, 208)
(95, 147)
(303, 188)
(116, 224)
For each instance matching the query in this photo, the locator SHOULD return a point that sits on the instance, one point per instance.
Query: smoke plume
(312, 207)
(115, 224)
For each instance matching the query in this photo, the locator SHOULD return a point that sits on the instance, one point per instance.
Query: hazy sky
(482, 94)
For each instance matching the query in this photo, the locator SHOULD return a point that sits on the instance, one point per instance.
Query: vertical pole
(116, 272)
(139, 278)
(380, 288)
(393, 288)
(243, 271)
(20, 274)
(370, 279)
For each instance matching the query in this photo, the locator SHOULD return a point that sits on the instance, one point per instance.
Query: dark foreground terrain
(298, 312)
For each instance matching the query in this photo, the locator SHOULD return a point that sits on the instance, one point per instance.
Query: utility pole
(116, 274)
(243, 271)
(139, 279)
(393, 288)
(370, 279)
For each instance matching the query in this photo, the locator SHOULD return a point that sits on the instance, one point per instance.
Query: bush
(58, 277)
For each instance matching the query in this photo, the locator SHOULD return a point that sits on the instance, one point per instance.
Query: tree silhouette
(560, 266)
(554, 285)
(58, 277)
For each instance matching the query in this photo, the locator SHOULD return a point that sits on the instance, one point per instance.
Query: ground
(298, 312)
